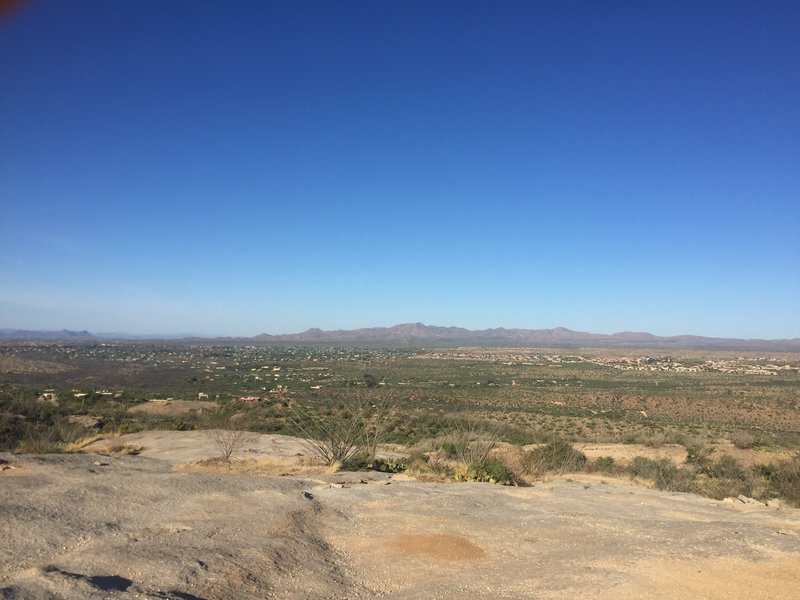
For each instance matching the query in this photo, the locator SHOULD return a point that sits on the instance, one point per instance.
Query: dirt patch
(9, 468)
(87, 421)
(444, 546)
(184, 447)
(623, 454)
(173, 407)
(776, 577)
(268, 467)
(751, 456)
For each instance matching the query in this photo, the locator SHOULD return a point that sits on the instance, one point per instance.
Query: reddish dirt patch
(438, 545)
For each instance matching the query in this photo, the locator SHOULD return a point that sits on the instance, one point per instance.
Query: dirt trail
(92, 526)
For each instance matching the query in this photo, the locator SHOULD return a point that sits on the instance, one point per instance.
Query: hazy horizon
(269, 167)
(194, 334)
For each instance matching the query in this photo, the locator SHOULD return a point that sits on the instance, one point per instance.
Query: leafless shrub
(375, 418)
(341, 429)
(230, 438)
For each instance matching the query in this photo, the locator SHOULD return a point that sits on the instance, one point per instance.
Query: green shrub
(390, 465)
(491, 471)
(663, 473)
(648, 468)
(178, 425)
(726, 477)
(727, 467)
(40, 446)
(356, 462)
(556, 457)
(604, 464)
(698, 455)
(449, 448)
(784, 480)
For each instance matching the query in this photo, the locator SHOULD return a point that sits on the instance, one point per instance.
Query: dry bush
(516, 461)
(435, 467)
(664, 474)
(726, 477)
(784, 480)
(556, 457)
(266, 466)
(39, 441)
(473, 441)
(743, 440)
(353, 426)
(335, 437)
(377, 408)
(230, 438)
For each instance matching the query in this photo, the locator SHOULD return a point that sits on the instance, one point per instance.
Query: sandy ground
(173, 407)
(623, 454)
(96, 526)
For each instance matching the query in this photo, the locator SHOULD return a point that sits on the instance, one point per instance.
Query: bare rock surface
(96, 526)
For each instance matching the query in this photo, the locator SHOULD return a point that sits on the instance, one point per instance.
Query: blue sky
(233, 168)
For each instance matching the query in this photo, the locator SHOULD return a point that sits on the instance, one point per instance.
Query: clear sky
(234, 168)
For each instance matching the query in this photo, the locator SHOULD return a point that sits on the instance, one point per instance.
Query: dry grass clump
(517, 461)
(37, 446)
(80, 444)
(124, 449)
(784, 479)
(471, 441)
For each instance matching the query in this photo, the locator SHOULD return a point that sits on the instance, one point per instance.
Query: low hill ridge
(419, 334)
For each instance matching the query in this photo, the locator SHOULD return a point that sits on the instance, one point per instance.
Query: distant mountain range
(27, 334)
(417, 334)
(67, 334)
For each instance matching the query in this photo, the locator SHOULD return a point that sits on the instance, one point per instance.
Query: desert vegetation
(504, 415)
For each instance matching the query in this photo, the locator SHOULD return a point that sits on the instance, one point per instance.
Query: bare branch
(355, 425)
(230, 438)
